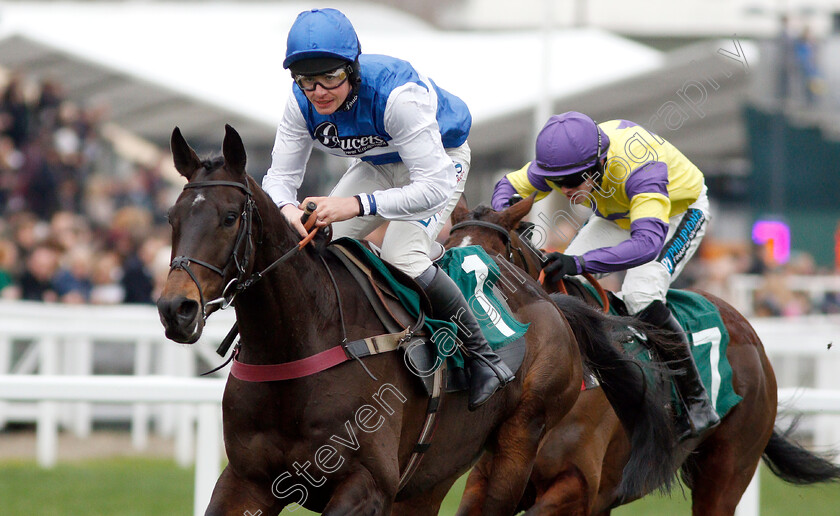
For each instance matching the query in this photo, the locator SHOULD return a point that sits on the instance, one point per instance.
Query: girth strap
(319, 361)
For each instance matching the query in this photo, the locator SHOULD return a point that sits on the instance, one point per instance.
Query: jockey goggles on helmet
(570, 181)
(328, 80)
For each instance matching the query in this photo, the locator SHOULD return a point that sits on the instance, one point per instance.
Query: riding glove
(558, 265)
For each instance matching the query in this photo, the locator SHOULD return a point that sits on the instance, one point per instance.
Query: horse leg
(234, 495)
(473, 499)
(720, 479)
(513, 459)
(724, 464)
(425, 504)
(359, 494)
(568, 495)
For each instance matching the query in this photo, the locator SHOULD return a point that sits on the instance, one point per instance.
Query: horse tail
(792, 463)
(638, 403)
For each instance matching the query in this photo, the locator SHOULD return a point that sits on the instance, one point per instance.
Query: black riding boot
(487, 371)
(699, 415)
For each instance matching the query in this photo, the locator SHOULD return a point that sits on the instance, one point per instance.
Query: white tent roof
(228, 55)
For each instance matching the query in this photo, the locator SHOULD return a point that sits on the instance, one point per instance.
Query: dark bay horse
(579, 467)
(336, 441)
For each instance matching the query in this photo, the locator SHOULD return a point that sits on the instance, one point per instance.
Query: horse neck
(291, 313)
(532, 262)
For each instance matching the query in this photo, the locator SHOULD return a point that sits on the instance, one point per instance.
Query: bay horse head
(212, 246)
(499, 232)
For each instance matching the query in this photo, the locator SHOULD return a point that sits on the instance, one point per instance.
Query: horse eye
(169, 216)
(230, 219)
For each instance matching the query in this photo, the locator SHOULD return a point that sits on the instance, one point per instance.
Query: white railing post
(168, 362)
(185, 418)
(5, 368)
(750, 504)
(207, 455)
(46, 434)
(80, 357)
(827, 426)
(140, 411)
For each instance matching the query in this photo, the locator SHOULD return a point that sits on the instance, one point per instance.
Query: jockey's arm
(410, 119)
(517, 182)
(292, 147)
(650, 206)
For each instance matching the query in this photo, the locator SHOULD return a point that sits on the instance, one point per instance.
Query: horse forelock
(482, 212)
(211, 164)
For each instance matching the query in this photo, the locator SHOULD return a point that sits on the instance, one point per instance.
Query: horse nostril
(187, 310)
(179, 310)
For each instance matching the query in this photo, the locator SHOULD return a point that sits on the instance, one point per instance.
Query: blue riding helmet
(323, 34)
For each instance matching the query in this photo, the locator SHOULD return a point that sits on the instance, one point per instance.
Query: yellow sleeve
(653, 205)
(519, 180)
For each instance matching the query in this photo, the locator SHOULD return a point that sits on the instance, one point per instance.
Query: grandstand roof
(199, 65)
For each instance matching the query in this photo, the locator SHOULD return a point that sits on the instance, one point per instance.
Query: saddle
(380, 291)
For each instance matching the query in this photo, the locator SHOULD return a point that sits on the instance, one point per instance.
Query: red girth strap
(318, 362)
(289, 370)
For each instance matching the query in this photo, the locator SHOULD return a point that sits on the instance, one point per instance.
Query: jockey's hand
(557, 265)
(293, 215)
(332, 209)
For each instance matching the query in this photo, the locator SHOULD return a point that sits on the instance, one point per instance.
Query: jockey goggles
(570, 181)
(328, 81)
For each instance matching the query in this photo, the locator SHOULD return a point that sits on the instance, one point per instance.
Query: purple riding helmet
(568, 145)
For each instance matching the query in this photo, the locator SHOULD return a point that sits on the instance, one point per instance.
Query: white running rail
(206, 394)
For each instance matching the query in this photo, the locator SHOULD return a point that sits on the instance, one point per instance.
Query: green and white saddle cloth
(709, 341)
(475, 273)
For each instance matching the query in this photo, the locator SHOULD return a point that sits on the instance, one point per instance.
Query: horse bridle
(505, 234)
(243, 236)
(240, 283)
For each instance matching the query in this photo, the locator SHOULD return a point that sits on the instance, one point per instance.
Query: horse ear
(233, 149)
(185, 158)
(460, 212)
(512, 215)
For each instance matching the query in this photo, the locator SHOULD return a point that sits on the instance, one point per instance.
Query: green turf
(141, 487)
(113, 487)
(777, 499)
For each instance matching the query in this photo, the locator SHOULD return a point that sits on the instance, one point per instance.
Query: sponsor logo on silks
(428, 221)
(327, 134)
(675, 250)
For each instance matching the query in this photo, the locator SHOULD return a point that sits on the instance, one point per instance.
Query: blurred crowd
(789, 289)
(81, 224)
(746, 275)
(78, 222)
